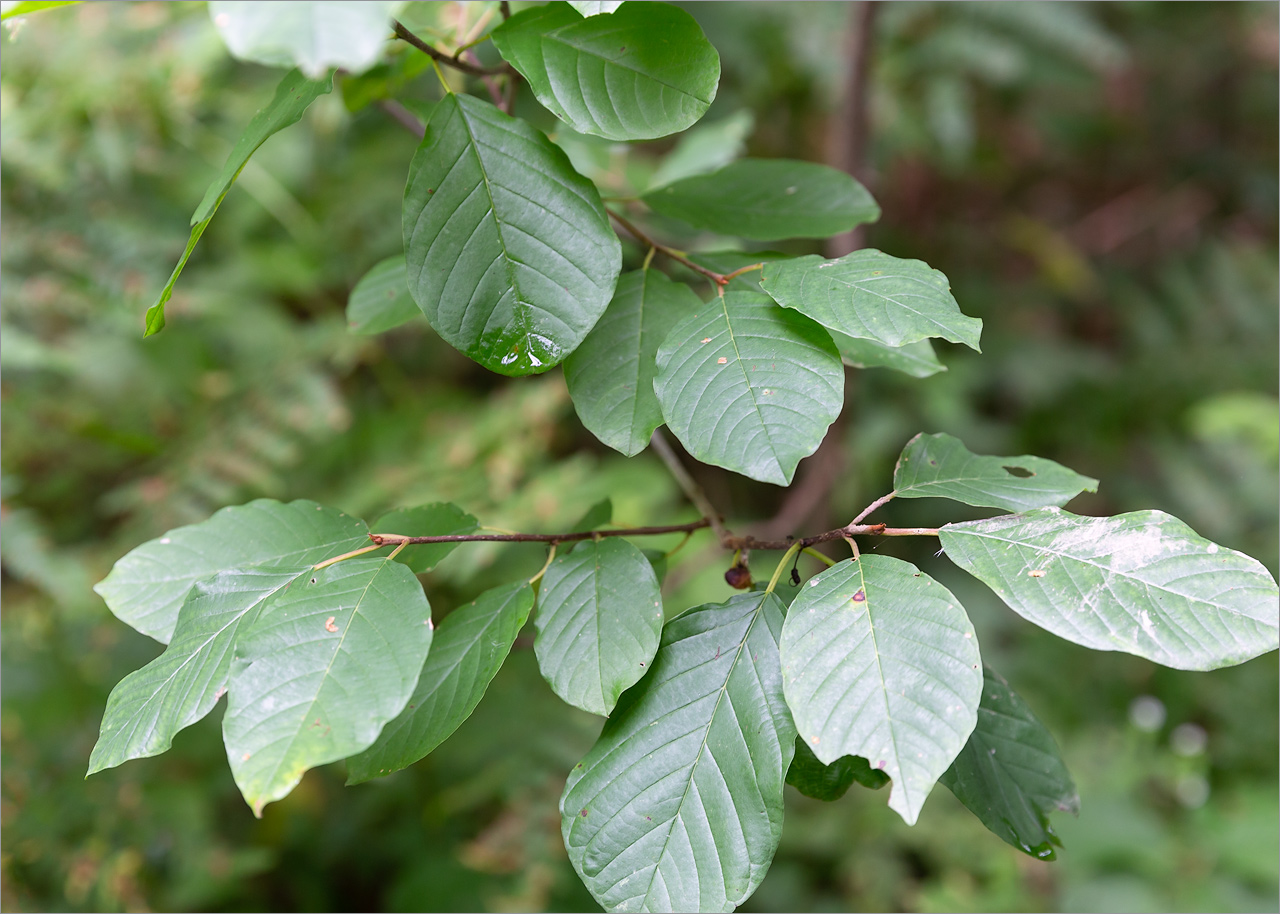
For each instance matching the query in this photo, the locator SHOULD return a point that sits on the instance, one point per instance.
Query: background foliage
(1098, 182)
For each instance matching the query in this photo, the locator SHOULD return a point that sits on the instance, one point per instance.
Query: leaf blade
(639, 72)
(639, 849)
(599, 622)
(772, 376)
(940, 466)
(873, 296)
(880, 661)
(915, 359)
(828, 783)
(1144, 583)
(313, 36)
(484, 191)
(467, 651)
(320, 672)
(381, 301)
(610, 376)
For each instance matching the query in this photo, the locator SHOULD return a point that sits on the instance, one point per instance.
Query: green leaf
(183, 684)
(678, 806)
(595, 7)
(939, 466)
(768, 200)
(313, 35)
(916, 359)
(381, 300)
(147, 587)
(642, 72)
(1010, 773)
(812, 778)
(438, 519)
(509, 250)
(293, 96)
(323, 668)
(470, 647)
(880, 660)
(11, 9)
(598, 515)
(705, 147)
(749, 386)
(610, 376)
(872, 296)
(599, 621)
(1144, 583)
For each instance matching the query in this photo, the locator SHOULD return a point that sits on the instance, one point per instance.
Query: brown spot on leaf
(721, 361)
(329, 625)
(860, 597)
(1037, 573)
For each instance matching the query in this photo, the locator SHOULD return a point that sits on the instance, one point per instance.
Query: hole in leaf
(1019, 472)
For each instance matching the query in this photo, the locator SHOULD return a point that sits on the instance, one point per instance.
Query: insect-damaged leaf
(468, 650)
(146, 588)
(678, 806)
(437, 519)
(749, 386)
(1144, 583)
(1010, 773)
(640, 72)
(293, 96)
(509, 250)
(610, 376)
(872, 296)
(881, 661)
(599, 620)
(183, 684)
(381, 300)
(940, 466)
(320, 671)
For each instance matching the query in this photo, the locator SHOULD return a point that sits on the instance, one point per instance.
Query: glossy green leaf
(812, 778)
(705, 147)
(678, 806)
(438, 519)
(1010, 773)
(312, 35)
(916, 359)
(326, 664)
(768, 200)
(880, 660)
(1144, 583)
(183, 684)
(641, 72)
(610, 376)
(872, 296)
(940, 466)
(14, 8)
(749, 386)
(293, 96)
(381, 300)
(595, 7)
(147, 587)
(509, 250)
(469, 648)
(599, 620)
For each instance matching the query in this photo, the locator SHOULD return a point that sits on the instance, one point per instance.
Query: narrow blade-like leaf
(880, 660)
(641, 72)
(599, 621)
(438, 519)
(469, 648)
(916, 359)
(1144, 583)
(678, 806)
(313, 35)
(293, 96)
(872, 296)
(768, 200)
(381, 300)
(610, 376)
(812, 778)
(323, 668)
(509, 250)
(146, 588)
(749, 386)
(1010, 773)
(183, 684)
(939, 466)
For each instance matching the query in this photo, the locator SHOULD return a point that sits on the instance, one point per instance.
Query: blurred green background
(1099, 182)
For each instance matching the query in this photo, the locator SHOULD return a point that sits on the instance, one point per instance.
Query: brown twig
(440, 57)
(718, 278)
(688, 485)
(848, 137)
(404, 116)
(385, 539)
